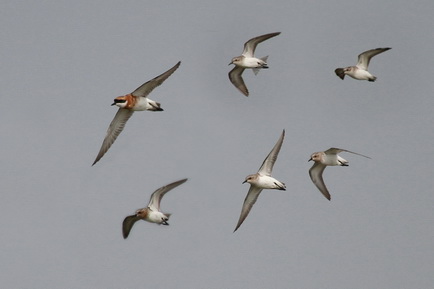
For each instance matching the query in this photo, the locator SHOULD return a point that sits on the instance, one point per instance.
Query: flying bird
(136, 101)
(152, 212)
(329, 157)
(360, 71)
(262, 180)
(248, 60)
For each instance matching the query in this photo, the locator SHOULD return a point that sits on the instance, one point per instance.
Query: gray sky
(62, 64)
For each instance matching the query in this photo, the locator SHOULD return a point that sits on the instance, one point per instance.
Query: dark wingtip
(340, 73)
(237, 227)
(124, 233)
(176, 65)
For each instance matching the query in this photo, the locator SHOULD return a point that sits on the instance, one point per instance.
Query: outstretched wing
(365, 57)
(315, 174)
(147, 87)
(267, 165)
(250, 45)
(334, 151)
(115, 128)
(237, 80)
(127, 224)
(154, 202)
(249, 201)
(340, 72)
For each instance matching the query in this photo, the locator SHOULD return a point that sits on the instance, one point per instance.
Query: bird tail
(265, 60)
(264, 65)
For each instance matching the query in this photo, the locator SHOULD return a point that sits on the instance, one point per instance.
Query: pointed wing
(147, 87)
(237, 80)
(365, 57)
(334, 151)
(315, 174)
(115, 128)
(267, 165)
(249, 201)
(127, 224)
(154, 202)
(250, 45)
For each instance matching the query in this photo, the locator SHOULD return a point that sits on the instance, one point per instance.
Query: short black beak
(309, 159)
(244, 182)
(114, 103)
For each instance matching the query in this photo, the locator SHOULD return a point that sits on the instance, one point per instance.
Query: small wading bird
(329, 157)
(152, 212)
(360, 71)
(136, 101)
(261, 180)
(248, 60)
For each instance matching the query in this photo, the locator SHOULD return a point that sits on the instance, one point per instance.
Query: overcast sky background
(63, 62)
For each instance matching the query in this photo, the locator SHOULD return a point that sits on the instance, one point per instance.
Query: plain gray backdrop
(63, 62)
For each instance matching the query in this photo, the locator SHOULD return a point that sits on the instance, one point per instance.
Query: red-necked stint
(248, 60)
(135, 101)
(329, 157)
(152, 212)
(262, 180)
(360, 71)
